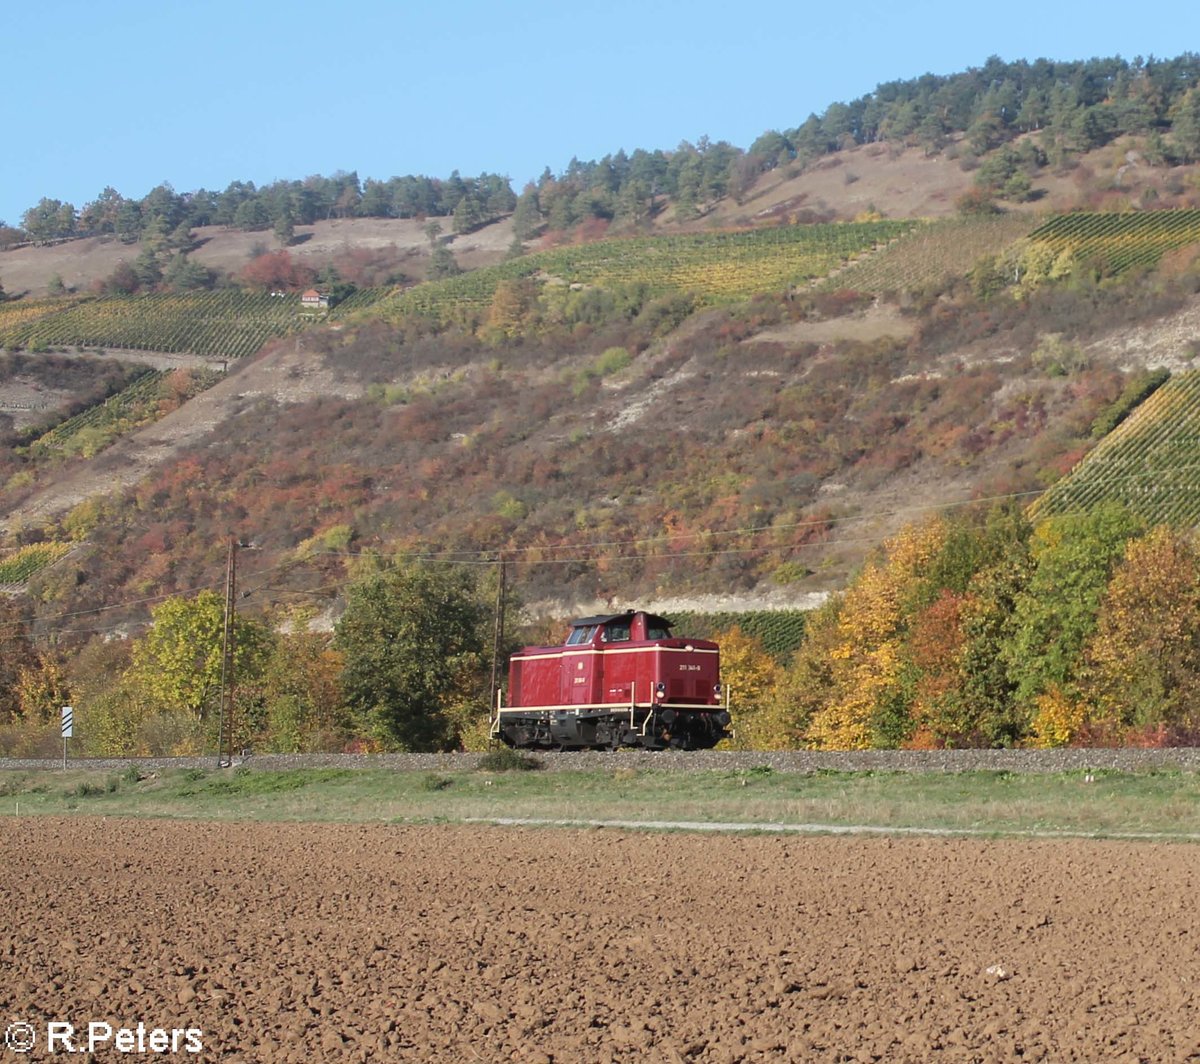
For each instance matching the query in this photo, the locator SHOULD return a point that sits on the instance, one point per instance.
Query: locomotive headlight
(717, 689)
(660, 689)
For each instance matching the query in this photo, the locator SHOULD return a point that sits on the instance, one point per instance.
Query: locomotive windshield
(582, 634)
(655, 631)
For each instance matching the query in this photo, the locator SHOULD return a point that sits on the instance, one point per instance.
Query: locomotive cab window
(618, 632)
(580, 635)
(654, 631)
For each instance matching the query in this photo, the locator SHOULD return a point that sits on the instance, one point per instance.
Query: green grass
(1165, 803)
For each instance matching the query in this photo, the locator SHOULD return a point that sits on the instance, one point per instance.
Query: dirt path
(327, 942)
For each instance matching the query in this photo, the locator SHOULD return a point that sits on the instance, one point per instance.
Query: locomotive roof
(653, 618)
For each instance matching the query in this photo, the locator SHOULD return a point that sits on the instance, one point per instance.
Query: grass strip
(1159, 803)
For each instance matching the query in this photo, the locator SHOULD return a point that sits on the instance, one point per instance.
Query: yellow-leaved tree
(1142, 664)
(750, 675)
(867, 704)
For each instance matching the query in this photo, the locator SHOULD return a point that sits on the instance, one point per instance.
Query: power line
(584, 551)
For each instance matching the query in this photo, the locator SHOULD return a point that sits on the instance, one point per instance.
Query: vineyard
(17, 315)
(89, 431)
(1150, 462)
(17, 566)
(1115, 242)
(780, 631)
(715, 267)
(227, 323)
(932, 253)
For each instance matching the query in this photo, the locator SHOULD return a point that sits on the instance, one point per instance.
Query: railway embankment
(799, 761)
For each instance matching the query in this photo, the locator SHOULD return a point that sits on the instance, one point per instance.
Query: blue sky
(131, 93)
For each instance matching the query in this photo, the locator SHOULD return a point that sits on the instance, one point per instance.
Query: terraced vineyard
(227, 323)
(133, 405)
(1150, 462)
(716, 267)
(17, 566)
(932, 253)
(1120, 241)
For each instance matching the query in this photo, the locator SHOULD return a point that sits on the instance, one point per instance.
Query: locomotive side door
(579, 667)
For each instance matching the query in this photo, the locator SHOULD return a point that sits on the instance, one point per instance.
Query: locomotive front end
(618, 680)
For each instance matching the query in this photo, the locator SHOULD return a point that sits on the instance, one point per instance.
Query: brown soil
(335, 942)
(877, 322)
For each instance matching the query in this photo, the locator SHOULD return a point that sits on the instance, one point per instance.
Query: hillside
(941, 381)
(608, 386)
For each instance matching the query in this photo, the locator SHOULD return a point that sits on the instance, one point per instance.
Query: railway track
(805, 761)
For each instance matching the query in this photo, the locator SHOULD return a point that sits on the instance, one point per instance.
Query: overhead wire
(584, 551)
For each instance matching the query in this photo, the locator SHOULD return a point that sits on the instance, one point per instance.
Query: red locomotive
(619, 680)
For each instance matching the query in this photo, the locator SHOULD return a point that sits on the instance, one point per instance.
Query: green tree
(251, 214)
(184, 275)
(1185, 127)
(48, 220)
(285, 227)
(301, 691)
(442, 263)
(469, 214)
(148, 271)
(177, 664)
(1072, 558)
(527, 218)
(415, 644)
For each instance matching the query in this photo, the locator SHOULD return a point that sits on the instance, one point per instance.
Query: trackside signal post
(68, 729)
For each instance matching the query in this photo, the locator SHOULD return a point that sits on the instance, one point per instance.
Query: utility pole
(498, 639)
(226, 722)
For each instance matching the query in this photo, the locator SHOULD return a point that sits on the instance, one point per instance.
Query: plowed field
(291, 942)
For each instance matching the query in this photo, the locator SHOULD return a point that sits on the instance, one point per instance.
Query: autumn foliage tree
(750, 674)
(1143, 662)
(177, 664)
(277, 271)
(303, 709)
(868, 703)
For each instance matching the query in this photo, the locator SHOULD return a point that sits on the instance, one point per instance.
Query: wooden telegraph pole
(226, 722)
(498, 638)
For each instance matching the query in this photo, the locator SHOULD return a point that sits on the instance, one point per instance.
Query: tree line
(406, 668)
(987, 631)
(1072, 106)
(976, 630)
(164, 214)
